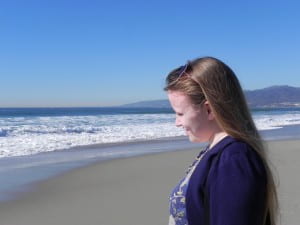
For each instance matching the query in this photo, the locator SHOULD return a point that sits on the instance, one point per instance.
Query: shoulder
(237, 150)
(230, 148)
(238, 158)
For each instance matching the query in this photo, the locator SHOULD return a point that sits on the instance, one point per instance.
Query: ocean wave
(271, 121)
(34, 143)
(32, 135)
(3, 132)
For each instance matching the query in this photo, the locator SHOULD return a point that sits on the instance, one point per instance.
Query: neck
(217, 137)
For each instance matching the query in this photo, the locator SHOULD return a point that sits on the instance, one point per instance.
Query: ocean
(29, 131)
(38, 143)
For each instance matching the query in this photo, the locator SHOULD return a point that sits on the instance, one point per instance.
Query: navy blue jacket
(228, 187)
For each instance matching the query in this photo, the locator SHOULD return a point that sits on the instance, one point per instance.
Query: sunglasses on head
(182, 72)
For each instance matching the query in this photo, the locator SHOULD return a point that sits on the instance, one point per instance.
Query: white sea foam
(31, 135)
(269, 121)
(41, 134)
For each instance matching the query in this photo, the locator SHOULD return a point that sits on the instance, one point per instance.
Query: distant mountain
(275, 96)
(150, 104)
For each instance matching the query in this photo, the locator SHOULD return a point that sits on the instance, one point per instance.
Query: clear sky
(111, 52)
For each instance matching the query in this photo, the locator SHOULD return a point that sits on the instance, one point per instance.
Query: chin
(194, 139)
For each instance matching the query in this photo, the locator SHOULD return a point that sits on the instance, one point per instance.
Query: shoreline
(28, 171)
(134, 190)
(286, 132)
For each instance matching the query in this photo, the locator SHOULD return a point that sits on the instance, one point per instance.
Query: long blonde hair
(210, 79)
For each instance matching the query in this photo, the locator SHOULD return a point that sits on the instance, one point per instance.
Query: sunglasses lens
(182, 70)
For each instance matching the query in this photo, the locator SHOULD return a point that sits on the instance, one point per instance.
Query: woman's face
(197, 121)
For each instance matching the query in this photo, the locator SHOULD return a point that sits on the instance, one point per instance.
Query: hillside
(275, 96)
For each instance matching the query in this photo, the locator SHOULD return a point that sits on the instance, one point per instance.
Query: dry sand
(134, 191)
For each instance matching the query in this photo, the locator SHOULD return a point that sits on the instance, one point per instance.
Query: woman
(230, 181)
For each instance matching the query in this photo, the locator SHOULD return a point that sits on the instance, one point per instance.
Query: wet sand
(134, 191)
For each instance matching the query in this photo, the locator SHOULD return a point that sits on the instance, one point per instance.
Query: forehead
(179, 100)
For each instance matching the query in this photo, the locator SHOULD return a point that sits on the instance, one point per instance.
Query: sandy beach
(134, 191)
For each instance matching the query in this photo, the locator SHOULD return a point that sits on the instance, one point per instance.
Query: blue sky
(103, 53)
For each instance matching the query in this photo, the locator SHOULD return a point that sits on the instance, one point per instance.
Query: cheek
(193, 122)
(196, 126)
(198, 123)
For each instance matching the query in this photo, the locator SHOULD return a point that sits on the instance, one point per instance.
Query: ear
(208, 111)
